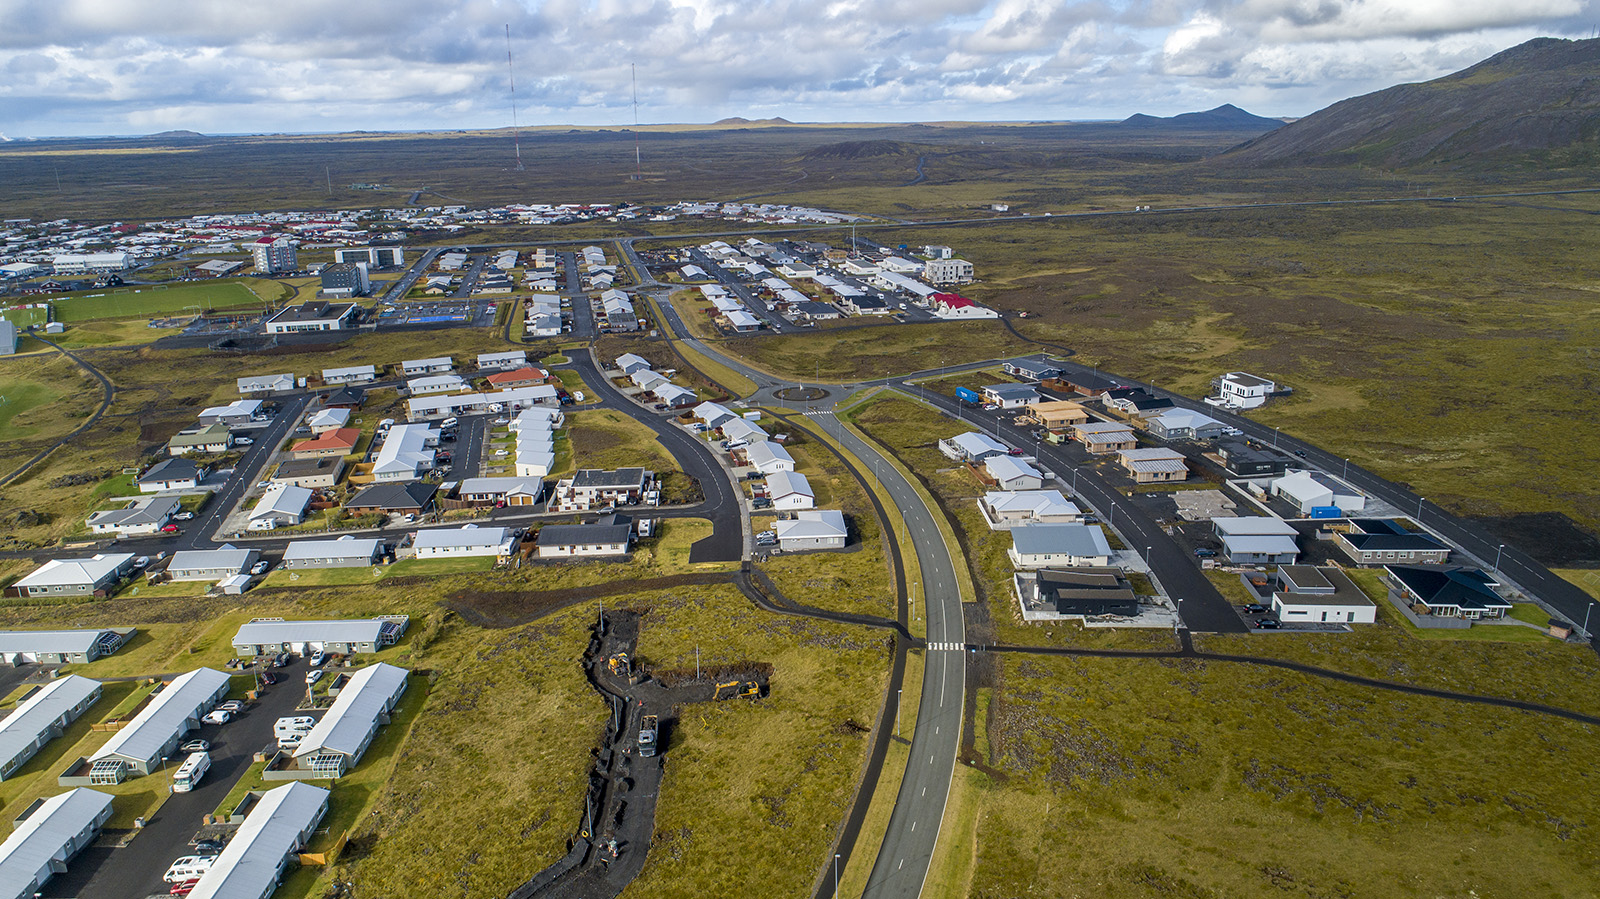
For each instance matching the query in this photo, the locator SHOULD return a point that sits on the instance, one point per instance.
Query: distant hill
(1224, 118)
(858, 149)
(175, 135)
(1540, 96)
(739, 121)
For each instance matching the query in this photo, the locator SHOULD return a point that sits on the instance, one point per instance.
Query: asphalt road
(469, 279)
(466, 454)
(398, 289)
(582, 313)
(135, 872)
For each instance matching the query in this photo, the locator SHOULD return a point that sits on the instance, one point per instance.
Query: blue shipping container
(968, 395)
(1326, 512)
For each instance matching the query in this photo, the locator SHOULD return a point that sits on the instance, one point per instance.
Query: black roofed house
(1446, 592)
(1246, 461)
(1381, 541)
(346, 397)
(412, 497)
(176, 473)
(591, 488)
(607, 536)
(315, 315)
(1054, 593)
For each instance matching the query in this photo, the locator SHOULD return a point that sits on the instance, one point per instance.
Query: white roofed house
(812, 529)
(1184, 424)
(41, 718)
(146, 515)
(328, 420)
(713, 415)
(437, 384)
(740, 429)
(437, 365)
(238, 412)
(277, 827)
(1309, 490)
(281, 505)
(155, 732)
(1011, 473)
(790, 490)
(60, 647)
(1059, 546)
(269, 636)
(406, 451)
(1257, 540)
(768, 457)
(355, 374)
(1010, 396)
(1241, 390)
(971, 447)
(646, 380)
(1015, 508)
(266, 383)
(210, 564)
(517, 491)
(675, 397)
(1150, 465)
(337, 742)
(630, 363)
(591, 488)
(48, 835)
(507, 360)
(468, 541)
(344, 552)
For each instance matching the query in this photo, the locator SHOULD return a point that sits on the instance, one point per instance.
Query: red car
(169, 529)
(185, 888)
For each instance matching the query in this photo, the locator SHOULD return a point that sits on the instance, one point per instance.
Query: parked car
(268, 678)
(449, 422)
(317, 658)
(1013, 452)
(1255, 608)
(313, 676)
(281, 659)
(183, 516)
(185, 888)
(1267, 624)
(142, 562)
(1204, 553)
(195, 746)
(208, 847)
(169, 529)
(233, 706)
(501, 453)
(217, 717)
(260, 567)
(243, 441)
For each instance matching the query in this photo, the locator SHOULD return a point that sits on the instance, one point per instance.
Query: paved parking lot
(134, 872)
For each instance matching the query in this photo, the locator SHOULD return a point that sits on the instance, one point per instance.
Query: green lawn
(131, 302)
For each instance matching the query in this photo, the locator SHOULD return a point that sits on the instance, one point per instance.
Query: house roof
(1183, 420)
(171, 469)
(149, 731)
(342, 439)
(410, 496)
(672, 393)
(1006, 468)
(1104, 430)
(351, 371)
(212, 433)
(1271, 544)
(974, 444)
(424, 364)
(342, 548)
(1464, 588)
(1157, 466)
(329, 418)
(1039, 502)
(1068, 539)
(1245, 379)
(765, 452)
(405, 449)
(344, 728)
(1304, 485)
(339, 630)
(713, 414)
(502, 360)
(516, 376)
(304, 468)
(266, 382)
(232, 410)
(314, 311)
(210, 559)
(347, 396)
(629, 362)
(739, 429)
(1258, 525)
(59, 642)
(1412, 542)
(607, 530)
(467, 536)
(34, 715)
(282, 499)
(502, 485)
(817, 524)
(788, 483)
(41, 837)
(601, 479)
(1149, 454)
(249, 865)
(1011, 391)
(440, 383)
(138, 513)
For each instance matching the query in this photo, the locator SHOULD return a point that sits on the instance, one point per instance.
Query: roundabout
(801, 394)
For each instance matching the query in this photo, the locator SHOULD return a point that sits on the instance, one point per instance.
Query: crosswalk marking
(947, 647)
(818, 412)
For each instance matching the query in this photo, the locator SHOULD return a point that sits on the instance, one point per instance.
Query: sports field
(134, 302)
(22, 318)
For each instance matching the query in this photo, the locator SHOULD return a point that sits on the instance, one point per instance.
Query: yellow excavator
(618, 664)
(736, 688)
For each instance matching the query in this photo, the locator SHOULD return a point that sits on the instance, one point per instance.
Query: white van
(295, 727)
(449, 422)
(189, 773)
(190, 867)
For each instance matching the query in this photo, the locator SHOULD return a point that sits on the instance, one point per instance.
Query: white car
(500, 453)
(449, 422)
(260, 567)
(313, 676)
(317, 658)
(243, 441)
(220, 716)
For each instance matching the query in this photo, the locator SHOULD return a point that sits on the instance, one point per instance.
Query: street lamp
(1147, 557)
(898, 695)
(836, 874)
(1420, 501)
(1497, 552)
(1347, 469)
(1586, 619)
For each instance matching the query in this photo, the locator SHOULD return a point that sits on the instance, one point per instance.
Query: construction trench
(613, 839)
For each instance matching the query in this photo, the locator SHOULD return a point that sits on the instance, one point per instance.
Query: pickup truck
(648, 730)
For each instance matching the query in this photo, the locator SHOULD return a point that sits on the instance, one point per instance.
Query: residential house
(211, 564)
(1241, 390)
(409, 498)
(356, 374)
(468, 541)
(646, 380)
(437, 365)
(1446, 592)
(1031, 369)
(1308, 490)
(713, 415)
(741, 429)
(812, 529)
(1089, 383)
(38, 719)
(518, 491)
(346, 397)
(526, 376)
(266, 384)
(407, 451)
(513, 400)
(507, 360)
(1057, 415)
(1010, 473)
(146, 515)
(1310, 595)
(171, 474)
(316, 315)
(345, 552)
(675, 397)
(437, 384)
(1059, 546)
(269, 636)
(1243, 460)
(74, 577)
(213, 438)
(336, 443)
(607, 536)
(1153, 465)
(316, 474)
(1382, 541)
(1257, 540)
(1004, 509)
(1010, 396)
(78, 647)
(768, 457)
(1080, 592)
(1101, 437)
(282, 505)
(630, 363)
(277, 827)
(153, 735)
(1132, 401)
(236, 413)
(339, 740)
(790, 490)
(971, 447)
(1184, 424)
(48, 835)
(324, 420)
(592, 488)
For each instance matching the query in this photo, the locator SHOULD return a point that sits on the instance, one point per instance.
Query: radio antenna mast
(511, 76)
(638, 161)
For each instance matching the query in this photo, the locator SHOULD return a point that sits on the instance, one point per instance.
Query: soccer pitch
(145, 302)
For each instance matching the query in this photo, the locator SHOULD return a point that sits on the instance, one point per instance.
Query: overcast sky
(71, 67)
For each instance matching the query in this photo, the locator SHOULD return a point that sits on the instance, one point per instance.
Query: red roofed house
(526, 376)
(337, 442)
(954, 305)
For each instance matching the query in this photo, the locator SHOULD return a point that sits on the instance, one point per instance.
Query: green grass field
(23, 318)
(131, 302)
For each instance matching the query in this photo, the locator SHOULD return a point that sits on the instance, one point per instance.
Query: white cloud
(106, 66)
